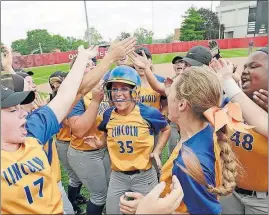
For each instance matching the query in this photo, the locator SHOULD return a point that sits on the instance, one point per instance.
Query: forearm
(9, 69)
(68, 90)
(252, 113)
(91, 79)
(153, 82)
(163, 139)
(82, 124)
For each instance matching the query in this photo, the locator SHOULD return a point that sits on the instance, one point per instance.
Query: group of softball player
(108, 128)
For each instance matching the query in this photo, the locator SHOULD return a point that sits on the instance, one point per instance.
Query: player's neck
(190, 129)
(9, 147)
(126, 111)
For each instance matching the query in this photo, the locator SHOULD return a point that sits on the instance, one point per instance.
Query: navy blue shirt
(197, 198)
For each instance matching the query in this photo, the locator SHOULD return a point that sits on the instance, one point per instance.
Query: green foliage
(21, 46)
(124, 35)
(211, 23)
(41, 36)
(143, 36)
(60, 43)
(95, 36)
(191, 28)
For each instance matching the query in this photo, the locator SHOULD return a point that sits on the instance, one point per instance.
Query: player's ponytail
(201, 88)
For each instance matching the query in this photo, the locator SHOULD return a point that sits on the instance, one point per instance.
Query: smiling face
(121, 96)
(255, 74)
(13, 121)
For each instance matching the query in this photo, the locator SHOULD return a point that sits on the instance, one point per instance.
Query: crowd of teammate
(108, 128)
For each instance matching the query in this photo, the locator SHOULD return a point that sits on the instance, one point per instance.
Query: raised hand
(261, 99)
(90, 52)
(40, 100)
(153, 204)
(98, 92)
(118, 50)
(140, 61)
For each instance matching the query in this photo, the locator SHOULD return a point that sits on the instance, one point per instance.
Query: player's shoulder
(108, 112)
(148, 111)
(160, 78)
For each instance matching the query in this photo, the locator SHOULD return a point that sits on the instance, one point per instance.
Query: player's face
(13, 122)
(31, 83)
(255, 74)
(121, 95)
(90, 66)
(173, 102)
(179, 66)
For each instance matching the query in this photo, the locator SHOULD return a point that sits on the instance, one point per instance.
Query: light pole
(87, 23)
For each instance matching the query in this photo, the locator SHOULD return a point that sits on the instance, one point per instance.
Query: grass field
(42, 73)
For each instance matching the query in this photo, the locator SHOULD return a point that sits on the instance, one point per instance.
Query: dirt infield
(165, 70)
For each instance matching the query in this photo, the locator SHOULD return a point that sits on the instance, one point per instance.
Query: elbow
(79, 133)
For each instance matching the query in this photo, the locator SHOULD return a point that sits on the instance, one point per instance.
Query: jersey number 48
(247, 140)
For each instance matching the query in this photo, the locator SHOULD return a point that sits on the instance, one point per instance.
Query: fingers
(156, 191)
(176, 194)
(134, 195)
(264, 92)
(261, 100)
(222, 62)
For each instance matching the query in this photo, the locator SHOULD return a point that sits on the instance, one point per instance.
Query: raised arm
(116, 52)
(143, 62)
(252, 113)
(68, 90)
(81, 124)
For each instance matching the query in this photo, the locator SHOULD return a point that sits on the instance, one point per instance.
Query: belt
(90, 150)
(247, 192)
(131, 172)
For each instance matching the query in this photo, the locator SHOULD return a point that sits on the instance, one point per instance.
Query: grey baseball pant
(237, 203)
(68, 208)
(93, 170)
(120, 183)
(62, 148)
(173, 139)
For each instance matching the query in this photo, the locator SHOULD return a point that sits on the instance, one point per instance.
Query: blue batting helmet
(124, 74)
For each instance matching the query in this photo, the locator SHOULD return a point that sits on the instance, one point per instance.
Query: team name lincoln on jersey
(17, 171)
(125, 130)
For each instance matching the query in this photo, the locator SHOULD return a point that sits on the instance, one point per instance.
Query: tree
(21, 46)
(60, 43)
(143, 36)
(169, 38)
(124, 35)
(41, 36)
(95, 36)
(211, 23)
(191, 28)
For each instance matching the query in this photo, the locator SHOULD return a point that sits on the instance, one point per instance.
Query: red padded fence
(26, 61)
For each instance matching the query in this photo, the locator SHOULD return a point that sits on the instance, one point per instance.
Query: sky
(110, 18)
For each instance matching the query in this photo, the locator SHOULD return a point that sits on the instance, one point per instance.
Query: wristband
(230, 88)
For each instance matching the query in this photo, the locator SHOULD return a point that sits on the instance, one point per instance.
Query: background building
(242, 18)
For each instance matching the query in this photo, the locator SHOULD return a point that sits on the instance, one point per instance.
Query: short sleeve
(106, 117)
(160, 78)
(196, 197)
(154, 117)
(42, 124)
(78, 110)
